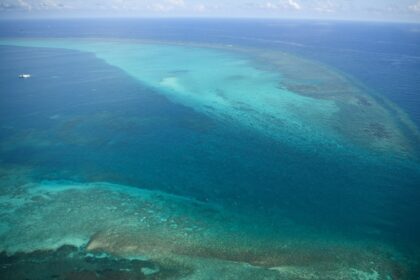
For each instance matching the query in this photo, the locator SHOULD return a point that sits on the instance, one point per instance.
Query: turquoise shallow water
(214, 82)
(219, 126)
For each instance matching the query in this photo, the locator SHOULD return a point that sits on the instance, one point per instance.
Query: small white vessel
(24, 76)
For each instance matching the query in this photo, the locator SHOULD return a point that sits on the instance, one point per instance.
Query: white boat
(24, 76)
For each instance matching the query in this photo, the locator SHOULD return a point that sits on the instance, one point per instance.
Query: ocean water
(209, 149)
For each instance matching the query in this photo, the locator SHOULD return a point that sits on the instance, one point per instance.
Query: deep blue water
(180, 151)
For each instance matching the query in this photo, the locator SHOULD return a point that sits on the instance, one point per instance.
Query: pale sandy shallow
(200, 240)
(299, 102)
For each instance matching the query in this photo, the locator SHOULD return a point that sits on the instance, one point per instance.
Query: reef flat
(171, 237)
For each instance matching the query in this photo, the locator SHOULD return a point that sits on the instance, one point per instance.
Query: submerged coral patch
(72, 263)
(184, 237)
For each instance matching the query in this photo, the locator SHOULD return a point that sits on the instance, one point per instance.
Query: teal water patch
(81, 119)
(297, 102)
(217, 83)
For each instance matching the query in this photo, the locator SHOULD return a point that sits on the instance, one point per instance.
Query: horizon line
(82, 17)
